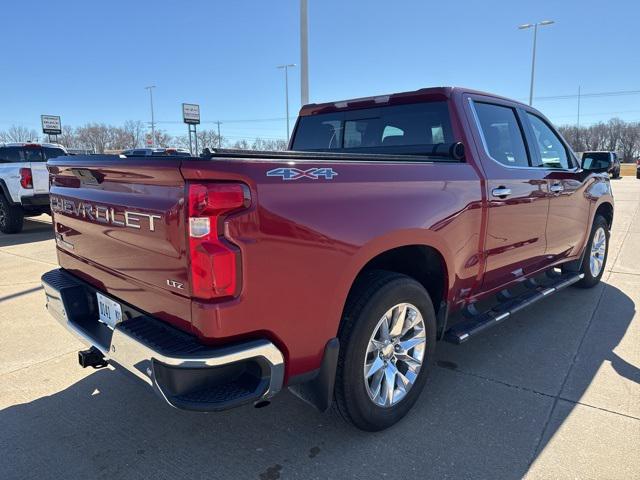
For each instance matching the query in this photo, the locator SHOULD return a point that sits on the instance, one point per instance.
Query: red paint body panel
(303, 242)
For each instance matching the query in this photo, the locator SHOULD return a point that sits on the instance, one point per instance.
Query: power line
(597, 114)
(619, 93)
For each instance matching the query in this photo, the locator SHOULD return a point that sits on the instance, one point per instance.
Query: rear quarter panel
(303, 242)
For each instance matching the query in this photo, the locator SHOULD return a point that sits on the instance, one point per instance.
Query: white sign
(51, 124)
(191, 113)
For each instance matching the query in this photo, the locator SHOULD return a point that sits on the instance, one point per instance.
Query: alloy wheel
(598, 250)
(395, 354)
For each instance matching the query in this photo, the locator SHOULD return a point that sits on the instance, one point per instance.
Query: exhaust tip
(262, 404)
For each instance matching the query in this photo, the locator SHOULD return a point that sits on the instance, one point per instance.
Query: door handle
(556, 188)
(501, 192)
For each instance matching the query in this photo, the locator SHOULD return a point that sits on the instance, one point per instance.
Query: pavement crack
(28, 258)
(632, 417)
(35, 364)
(537, 392)
(500, 382)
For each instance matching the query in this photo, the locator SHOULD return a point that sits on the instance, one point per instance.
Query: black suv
(605, 156)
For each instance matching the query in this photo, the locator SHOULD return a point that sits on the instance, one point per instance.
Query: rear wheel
(595, 257)
(11, 217)
(387, 342)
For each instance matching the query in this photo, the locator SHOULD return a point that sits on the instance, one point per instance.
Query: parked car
(24, 182)
(638, 168)
(333, 268)
(607, 156)
(156, 152)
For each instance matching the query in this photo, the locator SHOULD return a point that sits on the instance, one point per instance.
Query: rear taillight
(26, 178)
(215, 262)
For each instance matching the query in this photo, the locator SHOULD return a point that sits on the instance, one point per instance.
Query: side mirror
(597, 165)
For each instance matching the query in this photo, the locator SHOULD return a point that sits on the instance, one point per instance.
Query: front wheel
(595, 256)
(387, 340)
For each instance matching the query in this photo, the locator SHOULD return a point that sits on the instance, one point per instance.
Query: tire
(371, 299)
(616, 174)
(592, 278)
(11, 217)
(638, 175)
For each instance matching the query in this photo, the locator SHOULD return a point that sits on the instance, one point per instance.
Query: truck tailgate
(120, 226)
(40, 177)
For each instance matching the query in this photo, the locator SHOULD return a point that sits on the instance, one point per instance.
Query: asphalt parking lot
(552, 393)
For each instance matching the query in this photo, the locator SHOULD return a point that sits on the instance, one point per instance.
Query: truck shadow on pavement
(476, 418)
(33, 231)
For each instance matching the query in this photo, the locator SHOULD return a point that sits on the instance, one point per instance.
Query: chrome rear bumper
(184, 372)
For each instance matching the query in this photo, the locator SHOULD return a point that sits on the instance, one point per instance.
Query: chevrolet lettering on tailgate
(103, 214)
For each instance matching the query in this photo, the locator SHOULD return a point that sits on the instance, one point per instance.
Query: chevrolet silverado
(331, 268)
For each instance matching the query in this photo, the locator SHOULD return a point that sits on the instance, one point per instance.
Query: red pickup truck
(332, 268)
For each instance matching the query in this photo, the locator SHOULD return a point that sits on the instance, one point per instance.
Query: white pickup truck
(24, 182)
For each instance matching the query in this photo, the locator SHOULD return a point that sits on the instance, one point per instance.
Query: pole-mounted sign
(191, 116)
(51, 124)
(191, 113)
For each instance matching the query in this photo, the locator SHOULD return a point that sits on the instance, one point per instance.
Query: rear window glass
(599, 156)
(413, 128)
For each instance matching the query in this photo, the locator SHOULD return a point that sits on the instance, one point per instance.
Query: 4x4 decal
(296, 173)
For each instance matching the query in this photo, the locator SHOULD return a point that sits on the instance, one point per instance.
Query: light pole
(304, 53)
(286, 90)
(153, 123)
(533, 58)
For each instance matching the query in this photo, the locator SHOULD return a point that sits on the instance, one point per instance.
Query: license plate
(110, 312)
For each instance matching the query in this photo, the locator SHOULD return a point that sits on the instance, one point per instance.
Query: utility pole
(578, 124)
(153, 123)
(304, 53)
(533, 57)
(579, 93)
(219, 137)
(286, 90)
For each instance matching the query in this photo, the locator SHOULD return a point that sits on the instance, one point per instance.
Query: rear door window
(52, 152)
(552, 152)
(411, 128)
(502, 134)
(33, 154)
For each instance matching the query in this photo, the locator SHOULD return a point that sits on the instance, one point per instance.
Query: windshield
(395, 129)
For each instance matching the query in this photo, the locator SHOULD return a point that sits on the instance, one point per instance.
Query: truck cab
(24, 181)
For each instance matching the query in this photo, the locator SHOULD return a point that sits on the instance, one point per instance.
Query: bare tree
(133, 131)
(19, 133)
(163, 139)
(241, 145)
(614, 135)
(94, 136)
(630, 142)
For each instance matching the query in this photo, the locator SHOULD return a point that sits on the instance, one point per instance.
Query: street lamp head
(286, 66)
(525, 25)
(547, 22)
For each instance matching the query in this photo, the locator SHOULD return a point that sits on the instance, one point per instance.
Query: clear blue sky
(89, 61)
